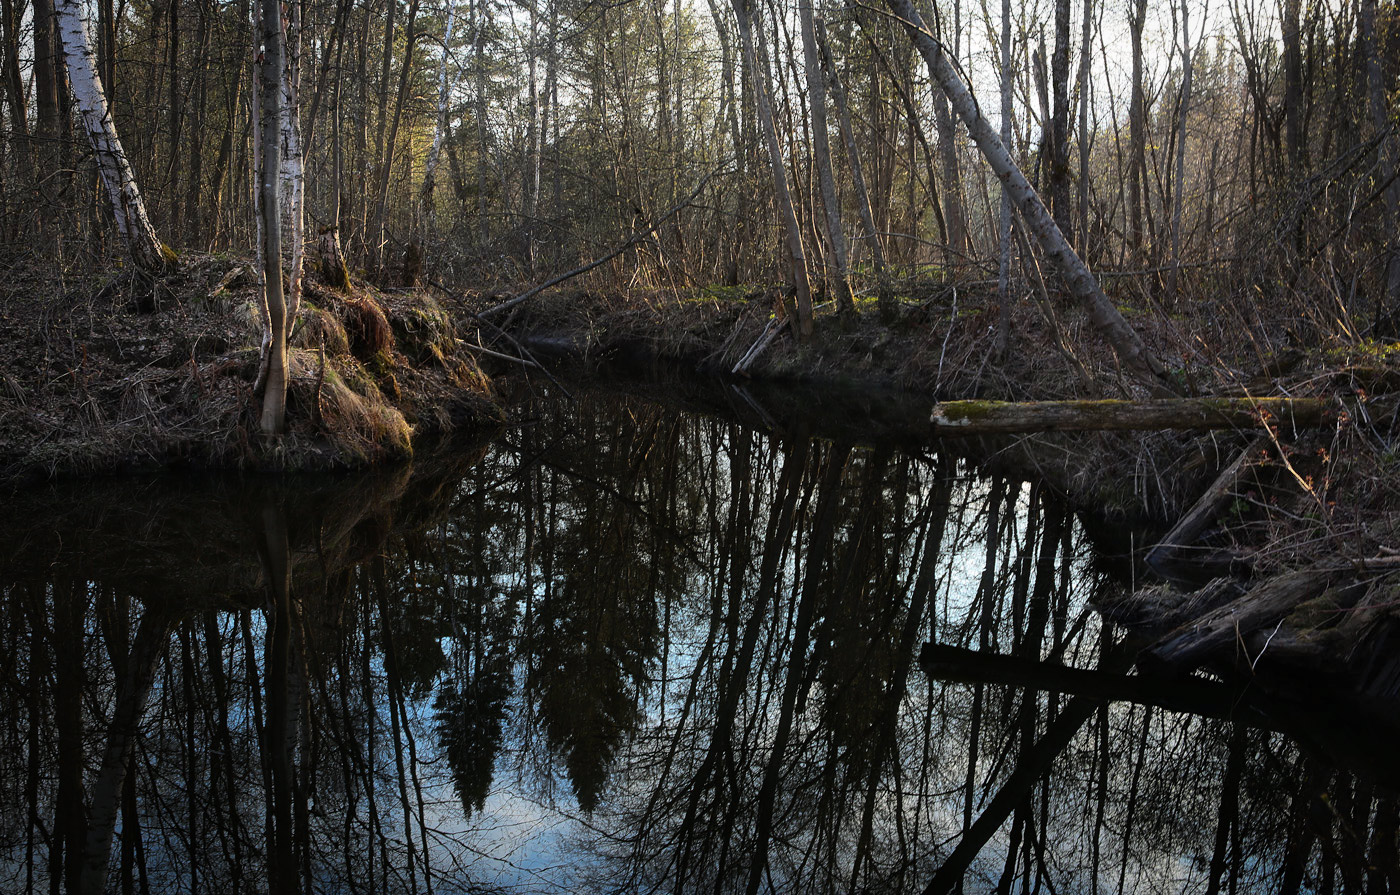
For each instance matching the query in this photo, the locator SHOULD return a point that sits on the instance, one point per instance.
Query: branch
(632, 240)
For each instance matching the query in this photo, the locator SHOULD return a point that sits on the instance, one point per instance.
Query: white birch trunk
(117, 178)
(292, 182)
(274, 406)
(1081, 281)
(440, 128)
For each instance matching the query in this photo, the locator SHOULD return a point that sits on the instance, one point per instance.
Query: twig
(507, 336)
(632, 240)
(508, 357)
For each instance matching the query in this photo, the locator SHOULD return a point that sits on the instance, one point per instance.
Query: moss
(424, 332)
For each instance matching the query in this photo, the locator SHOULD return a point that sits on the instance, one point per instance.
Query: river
(629, 644)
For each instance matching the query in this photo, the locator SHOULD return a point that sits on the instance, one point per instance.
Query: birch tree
(291, 176)
(442, 122)
(271, 72)
(1081, 281)
(118, 180)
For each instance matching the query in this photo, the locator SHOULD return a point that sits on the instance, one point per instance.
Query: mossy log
(992, 417)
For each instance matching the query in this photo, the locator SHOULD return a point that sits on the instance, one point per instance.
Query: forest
(758, 445)
(1231, 159)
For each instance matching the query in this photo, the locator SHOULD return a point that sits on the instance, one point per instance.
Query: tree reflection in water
(624, 648)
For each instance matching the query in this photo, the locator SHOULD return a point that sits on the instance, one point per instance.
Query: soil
(113, 372)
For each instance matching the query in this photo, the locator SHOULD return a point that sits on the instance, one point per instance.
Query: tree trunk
(381, 213)
(10, 15)
(442, 122)
(821, 151)
(291, 179)
(1105, 316)
(1004, 220)
(1086, 140)
(1179, 180)
(1137, 131)
(1058, 179)
(758, 64)
(1293, 84)
(130, 212)
(176, 87)
(885, 291)
(989, 417)
(1389, 158)
(272, 70)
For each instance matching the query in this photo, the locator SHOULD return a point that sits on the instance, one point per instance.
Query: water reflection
(626, 648)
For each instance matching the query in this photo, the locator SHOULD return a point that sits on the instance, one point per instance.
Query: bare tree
(1081, 281)
(757, 57)
(821, 152)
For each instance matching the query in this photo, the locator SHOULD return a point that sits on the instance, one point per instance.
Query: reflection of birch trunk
(734, 680)
(1080, 280)
(1227, 819)
(117, 177)
(276, 555)
(888, 717)
(1035, 761)
(108, 787)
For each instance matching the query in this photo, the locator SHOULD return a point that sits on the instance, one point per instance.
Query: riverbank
(1289, 572)
(108, 373)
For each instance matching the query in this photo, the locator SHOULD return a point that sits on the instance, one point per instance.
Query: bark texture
(117, 178)
(274, 406)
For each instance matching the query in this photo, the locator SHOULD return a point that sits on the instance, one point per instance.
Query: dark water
(626, 647)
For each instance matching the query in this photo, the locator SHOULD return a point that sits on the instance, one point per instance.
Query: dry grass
(97, 377)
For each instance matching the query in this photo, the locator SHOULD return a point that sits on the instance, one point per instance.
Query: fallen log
(992, 417)
(1226, 629)
(1211, 699)
(1167, 557)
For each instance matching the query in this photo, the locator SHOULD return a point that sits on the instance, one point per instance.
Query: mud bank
(112, 374)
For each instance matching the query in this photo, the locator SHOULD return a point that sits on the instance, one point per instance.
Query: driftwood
(1265, 606)
(771, 331)
(1167, 556)
(991, 417)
